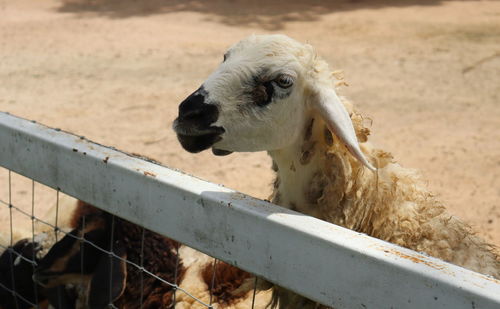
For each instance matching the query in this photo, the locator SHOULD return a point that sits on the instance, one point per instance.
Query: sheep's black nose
(196, 115)
(196, 111)
(194, 125)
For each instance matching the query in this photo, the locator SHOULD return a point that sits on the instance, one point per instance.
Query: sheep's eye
(284, 81)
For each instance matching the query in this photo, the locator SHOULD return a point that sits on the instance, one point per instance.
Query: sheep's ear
(328, 104)
(109, 278)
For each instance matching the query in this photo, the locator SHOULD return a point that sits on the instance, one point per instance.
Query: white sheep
(275, 94)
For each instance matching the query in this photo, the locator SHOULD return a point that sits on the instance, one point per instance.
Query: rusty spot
(146, 158)
(489, 278)
(292, 206)
(415, 259)
(105, 160)
(149, 174)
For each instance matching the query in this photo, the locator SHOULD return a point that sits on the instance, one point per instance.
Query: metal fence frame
(327, 263)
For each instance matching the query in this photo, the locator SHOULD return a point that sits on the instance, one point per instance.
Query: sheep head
(260, 98)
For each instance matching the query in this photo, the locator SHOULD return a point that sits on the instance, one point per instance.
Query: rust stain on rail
(486, 277)
(418, 259)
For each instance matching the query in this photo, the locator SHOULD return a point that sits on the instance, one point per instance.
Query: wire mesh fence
(116, 249)
(70, 222)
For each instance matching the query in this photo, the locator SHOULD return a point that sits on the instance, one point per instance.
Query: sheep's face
(253, 101)
(260, 98)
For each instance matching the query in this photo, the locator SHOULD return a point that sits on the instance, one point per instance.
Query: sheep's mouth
(199, 142)
(195, 137)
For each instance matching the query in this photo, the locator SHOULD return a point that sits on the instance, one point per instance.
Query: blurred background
(426, 72)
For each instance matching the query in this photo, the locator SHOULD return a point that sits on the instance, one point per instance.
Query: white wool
(317, 173)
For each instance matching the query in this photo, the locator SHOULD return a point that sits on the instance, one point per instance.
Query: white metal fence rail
(324, 262)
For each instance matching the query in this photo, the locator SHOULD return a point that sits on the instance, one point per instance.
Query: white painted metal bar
(324, 262)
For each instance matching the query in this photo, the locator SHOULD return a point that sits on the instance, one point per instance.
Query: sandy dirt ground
(426, 72)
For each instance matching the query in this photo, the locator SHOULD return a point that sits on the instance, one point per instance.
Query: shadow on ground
(269, 15)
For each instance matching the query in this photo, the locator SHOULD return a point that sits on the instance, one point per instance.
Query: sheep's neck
(310, 177)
